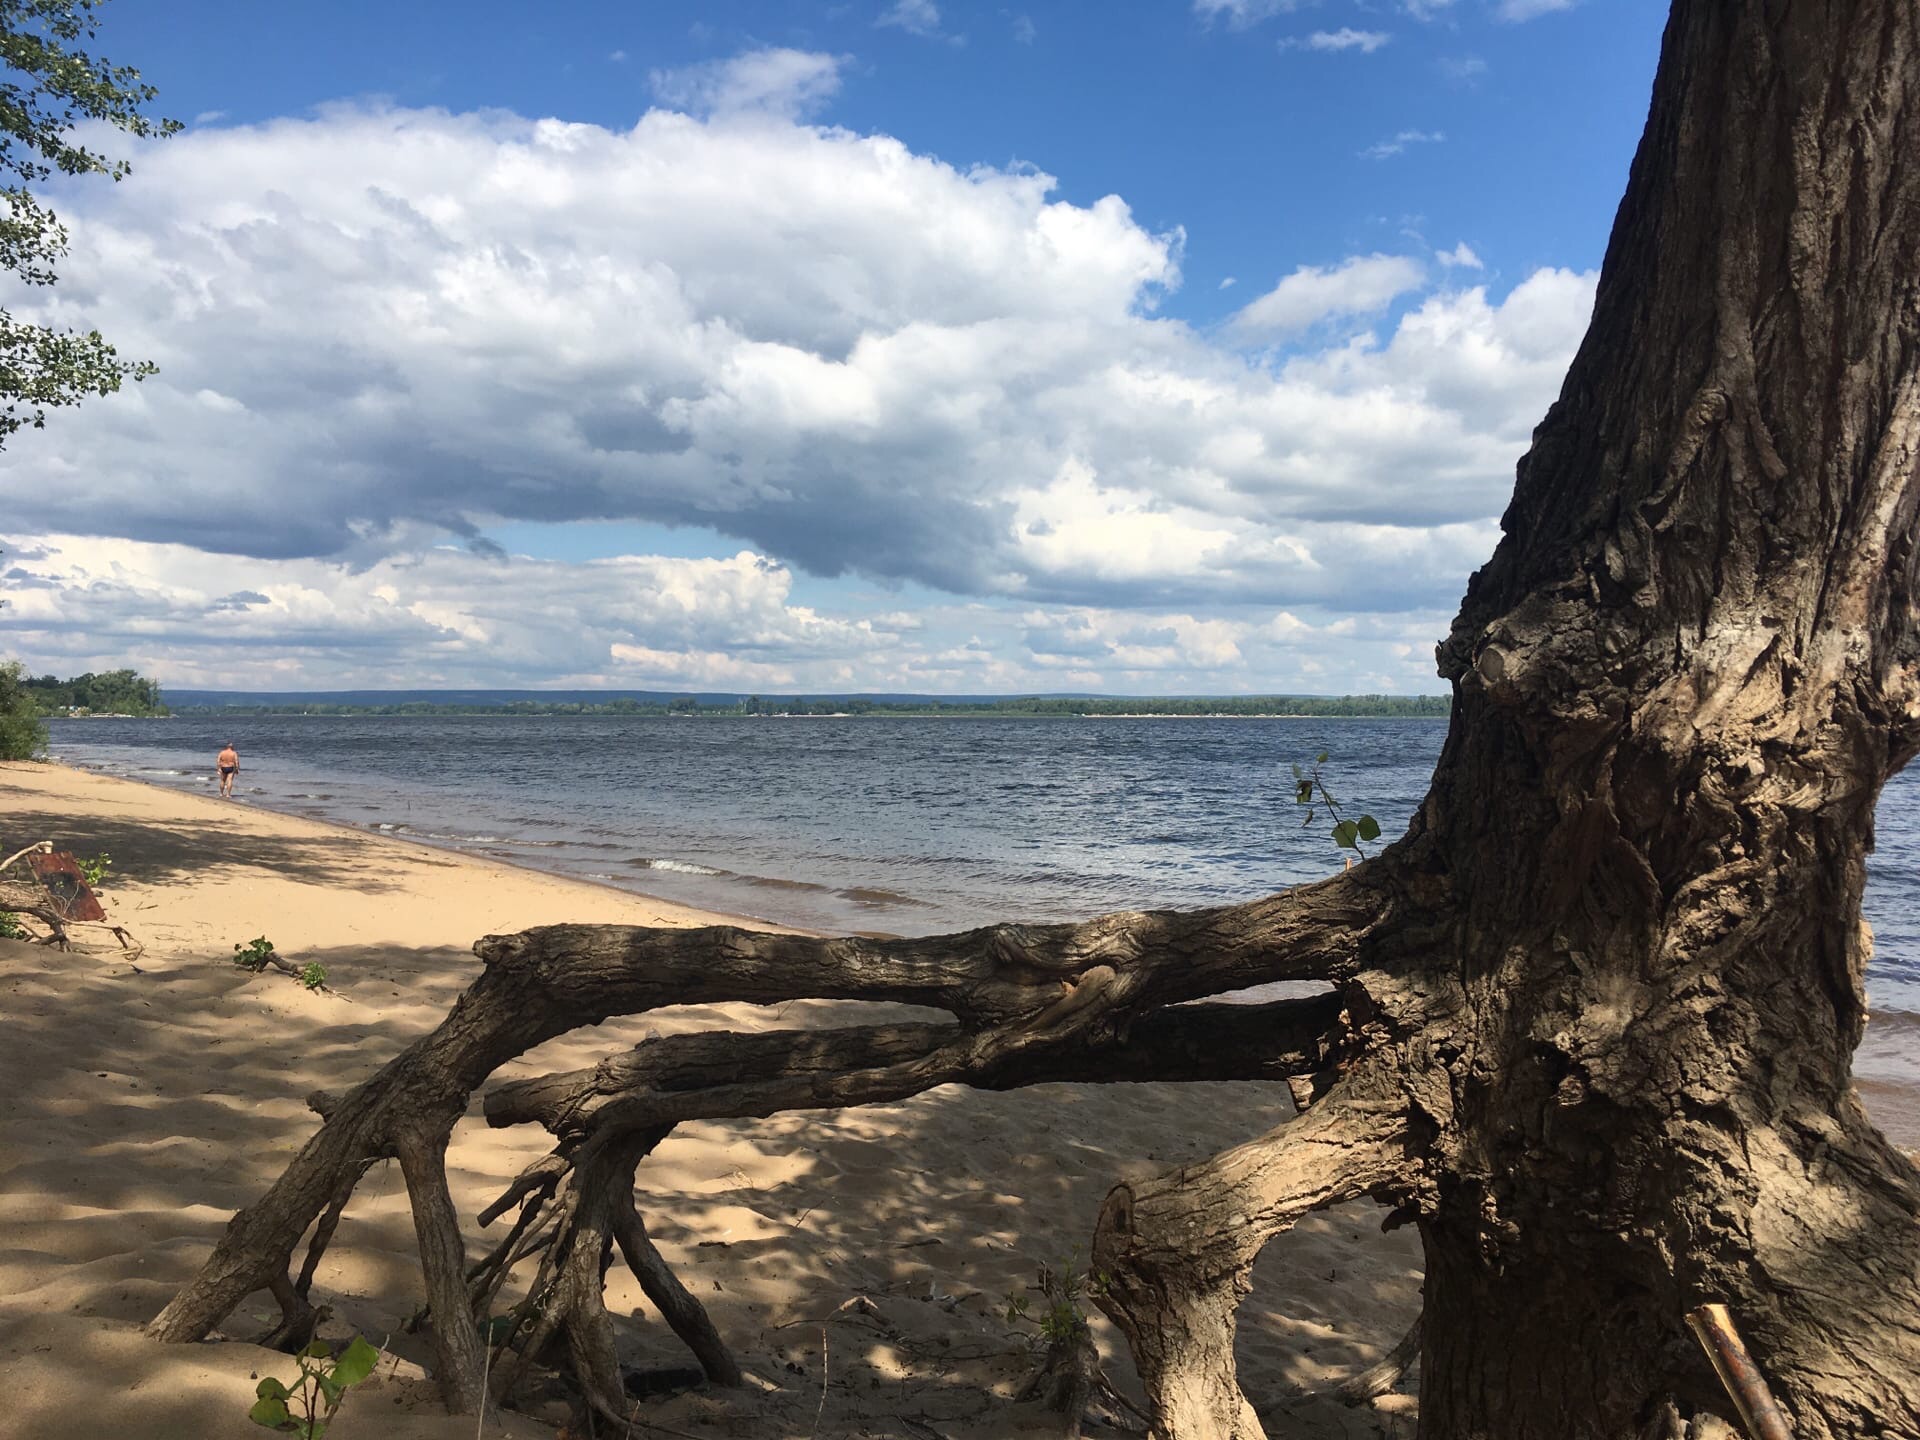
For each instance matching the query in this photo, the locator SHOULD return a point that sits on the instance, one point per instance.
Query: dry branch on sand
(28, 895)
(1589, 1024)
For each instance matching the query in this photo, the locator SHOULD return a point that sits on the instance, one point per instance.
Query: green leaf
(1303, 793)
(1345, 834)
(498, 1328)
(356, 1363)
(1369, 828)
(331, 1389)
(270, 1389)
(270, 1411)
(318, 1350)
(1323, 758)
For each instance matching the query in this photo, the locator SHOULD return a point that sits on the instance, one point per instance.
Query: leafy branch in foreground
(258, 954)
(50, 86)
(94, 868)
(1061, 1288)
(1068, 1379)
(307, 1409)
(255, 955)
(1311, 791)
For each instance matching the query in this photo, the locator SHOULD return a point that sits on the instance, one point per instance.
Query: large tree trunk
(1680, 684)
(1593, 1018)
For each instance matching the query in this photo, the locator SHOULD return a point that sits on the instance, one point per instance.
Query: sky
(1125, 346)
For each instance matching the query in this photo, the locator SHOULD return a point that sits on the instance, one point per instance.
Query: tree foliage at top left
(50, 86)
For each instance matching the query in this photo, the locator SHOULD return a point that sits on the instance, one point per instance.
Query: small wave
(774, 882)
(872, 896)
(674, 867)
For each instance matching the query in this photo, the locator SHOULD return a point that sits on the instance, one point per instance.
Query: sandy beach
(149, 1100)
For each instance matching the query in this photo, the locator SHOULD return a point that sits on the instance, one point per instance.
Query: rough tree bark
(1679, 686)
(1591, 1021)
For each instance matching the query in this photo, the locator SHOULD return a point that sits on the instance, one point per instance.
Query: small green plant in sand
(10, 927)
(94, 870)
(308, 1408)
(313, 975)
(255, 955)
(1311, 791)
(1059, 1316)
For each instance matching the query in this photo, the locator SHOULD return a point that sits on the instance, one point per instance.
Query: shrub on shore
(23, 734)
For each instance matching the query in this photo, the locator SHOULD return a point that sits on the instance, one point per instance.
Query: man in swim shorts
(229, 763)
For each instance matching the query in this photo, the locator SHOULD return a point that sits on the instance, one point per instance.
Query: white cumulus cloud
(447, 617)
(1345, 38)
(1242, 13)
(381, 330)
(916, 17)
(1397, 143)
(1314, 293)
(785, 83)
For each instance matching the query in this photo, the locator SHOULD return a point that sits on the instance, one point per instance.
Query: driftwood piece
(712, 1074)
(1713, 1327)
(1031, 1003)
(56, 895)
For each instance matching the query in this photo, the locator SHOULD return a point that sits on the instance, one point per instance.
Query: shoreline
(915, 827)
(408, 839)
(1886, 1071)
(153, 1098)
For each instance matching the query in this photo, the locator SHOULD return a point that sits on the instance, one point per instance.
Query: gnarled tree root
(1386, 1373)
(1032, 1004)
(1066, 1379)
(1177, 1252)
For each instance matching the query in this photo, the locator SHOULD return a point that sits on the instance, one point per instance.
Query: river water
(901, 825)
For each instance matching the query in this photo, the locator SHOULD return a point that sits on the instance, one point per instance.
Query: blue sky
(1174, 345)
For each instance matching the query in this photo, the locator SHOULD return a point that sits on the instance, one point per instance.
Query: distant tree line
(1331, 706)
(118, 692)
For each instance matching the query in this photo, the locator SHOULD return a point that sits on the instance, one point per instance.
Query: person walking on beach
(229, 763)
